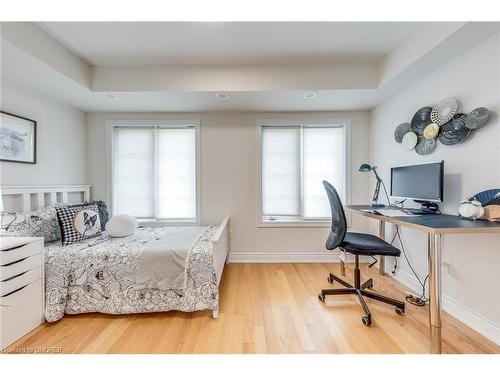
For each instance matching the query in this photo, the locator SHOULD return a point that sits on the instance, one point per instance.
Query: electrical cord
(395, 266)
(398, 204)
(420, 301)
(394, 269)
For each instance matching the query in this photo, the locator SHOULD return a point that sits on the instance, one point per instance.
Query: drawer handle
(15, 291)
(14, 248)
(13, 277)
(14, 262)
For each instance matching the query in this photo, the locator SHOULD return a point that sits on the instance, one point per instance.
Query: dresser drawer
(20, 312)
(19, 267)
(20, 252)
(10, 285)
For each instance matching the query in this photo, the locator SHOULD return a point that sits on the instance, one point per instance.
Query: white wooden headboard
(44, 195)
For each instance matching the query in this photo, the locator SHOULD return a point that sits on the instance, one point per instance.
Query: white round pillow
(121, 226)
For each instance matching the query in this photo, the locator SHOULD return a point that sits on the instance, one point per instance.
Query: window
(295, 159)
(155, 172)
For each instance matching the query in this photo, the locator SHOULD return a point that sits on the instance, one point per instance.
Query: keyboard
(420, 211)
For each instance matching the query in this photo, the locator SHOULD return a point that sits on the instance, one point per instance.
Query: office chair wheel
(399, 311)
(367, 321)
(321, 297)
(329, 279)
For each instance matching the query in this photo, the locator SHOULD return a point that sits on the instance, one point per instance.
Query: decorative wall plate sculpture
(410, 140)
(400, 131)
(425, 146)
(477, 118)
(421, 119)
(454, 131)
(428, 125)
(444, 111)
(458, 121)
(431, 131)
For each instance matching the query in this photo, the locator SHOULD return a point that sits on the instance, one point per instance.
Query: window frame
(346, 172)
(110, 165)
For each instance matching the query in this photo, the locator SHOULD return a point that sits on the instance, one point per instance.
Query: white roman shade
(155, 172)
(176, 174)
(134, 181)
(295, 159)
(281, 171)
(322, 160)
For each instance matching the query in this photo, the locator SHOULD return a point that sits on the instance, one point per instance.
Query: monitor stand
(426, 208)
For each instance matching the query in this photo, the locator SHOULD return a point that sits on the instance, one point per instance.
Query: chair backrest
(339, 223)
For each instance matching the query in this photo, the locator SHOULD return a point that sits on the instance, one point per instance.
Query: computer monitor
(421, 182)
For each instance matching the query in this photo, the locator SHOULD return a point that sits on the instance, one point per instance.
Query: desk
(435, 226)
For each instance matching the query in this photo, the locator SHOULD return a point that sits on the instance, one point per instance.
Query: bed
(99, 274)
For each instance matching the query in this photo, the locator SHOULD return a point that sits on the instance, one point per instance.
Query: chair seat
(367, 244)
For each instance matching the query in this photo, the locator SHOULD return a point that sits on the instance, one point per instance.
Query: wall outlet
(445, 267)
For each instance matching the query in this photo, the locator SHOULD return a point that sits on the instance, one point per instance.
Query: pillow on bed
(121, 226)
(101, 207)
(39, 223)
(78, 223)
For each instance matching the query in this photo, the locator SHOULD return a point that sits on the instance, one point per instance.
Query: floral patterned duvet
(98, 275)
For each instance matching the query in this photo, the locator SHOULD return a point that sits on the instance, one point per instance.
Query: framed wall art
(17, 138)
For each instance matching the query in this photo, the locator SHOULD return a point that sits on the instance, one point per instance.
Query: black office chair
(356, 244)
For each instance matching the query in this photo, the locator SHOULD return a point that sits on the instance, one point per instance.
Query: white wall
(471, 285)
(61, 152)
(229, 174)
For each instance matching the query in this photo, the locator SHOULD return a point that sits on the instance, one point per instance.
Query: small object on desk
(470, 209)
(491, 213)
(490, 202)
(422, 211)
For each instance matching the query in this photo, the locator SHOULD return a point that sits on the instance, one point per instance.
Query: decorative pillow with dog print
(78, 223)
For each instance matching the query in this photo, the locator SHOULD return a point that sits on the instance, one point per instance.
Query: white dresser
(21, 287)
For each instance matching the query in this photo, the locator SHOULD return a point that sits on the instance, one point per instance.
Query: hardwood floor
(265, 308)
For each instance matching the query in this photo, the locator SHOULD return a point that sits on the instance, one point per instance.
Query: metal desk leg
(381, 234)
(434, 249)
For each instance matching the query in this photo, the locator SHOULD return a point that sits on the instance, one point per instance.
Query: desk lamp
(369, 168)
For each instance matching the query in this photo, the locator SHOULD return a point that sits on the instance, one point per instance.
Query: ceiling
(179, 67)
(157, 43)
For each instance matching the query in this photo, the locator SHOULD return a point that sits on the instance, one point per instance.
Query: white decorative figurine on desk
(471, 209)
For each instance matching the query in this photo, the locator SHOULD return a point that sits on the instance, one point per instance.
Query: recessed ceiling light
(110, 96)
(310, 95)
(222, 95)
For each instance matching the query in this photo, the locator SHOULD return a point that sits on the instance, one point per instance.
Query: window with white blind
(295, 159)
(155, 172)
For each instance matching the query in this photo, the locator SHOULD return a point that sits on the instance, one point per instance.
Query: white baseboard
(470, 318)
(330, 257)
